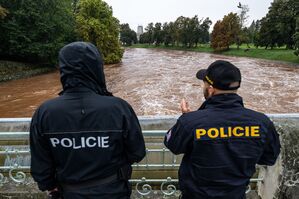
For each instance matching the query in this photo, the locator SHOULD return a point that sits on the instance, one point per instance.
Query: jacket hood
(81, 64)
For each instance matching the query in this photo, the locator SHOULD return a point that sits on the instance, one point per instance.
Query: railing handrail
(25, 135)
(154, 117)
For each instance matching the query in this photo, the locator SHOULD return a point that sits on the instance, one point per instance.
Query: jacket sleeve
(133, 137)
(42, 164)
(272, 147)
(178, 140)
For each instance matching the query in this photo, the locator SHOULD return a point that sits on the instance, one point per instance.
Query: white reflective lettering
(83, 142)
(54, 141)
(88, 143)
(105, 141)
(74, 144)
(66, 142)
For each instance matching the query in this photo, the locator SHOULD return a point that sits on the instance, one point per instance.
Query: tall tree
(243, 15)
(96, 24)
(279, 25)
(226, 32)
(157, 34)
(150, 33)
(220, 37)
(34, 30)
(204, 35)
(127, 35)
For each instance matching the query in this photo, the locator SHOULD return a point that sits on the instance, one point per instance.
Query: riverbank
(279, 54)
(10, 70)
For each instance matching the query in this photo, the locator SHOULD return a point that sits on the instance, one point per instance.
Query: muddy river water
(153, 81)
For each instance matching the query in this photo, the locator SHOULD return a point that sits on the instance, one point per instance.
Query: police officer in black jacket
(84, 142)
(222, 141)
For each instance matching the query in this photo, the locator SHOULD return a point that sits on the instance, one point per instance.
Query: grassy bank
(280, 54)
(15, 70)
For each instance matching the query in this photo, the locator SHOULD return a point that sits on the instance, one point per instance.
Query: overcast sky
(142, 12)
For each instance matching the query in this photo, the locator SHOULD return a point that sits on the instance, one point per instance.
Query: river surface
(154, 81)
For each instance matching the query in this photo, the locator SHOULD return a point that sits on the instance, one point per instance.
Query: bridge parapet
(156, 175)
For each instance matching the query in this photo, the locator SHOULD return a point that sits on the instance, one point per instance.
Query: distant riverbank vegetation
(10, 70)
(33, 31)
(274, 37)
(279, 54)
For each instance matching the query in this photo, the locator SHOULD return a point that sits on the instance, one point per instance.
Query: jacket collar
(223, 101)
(79, 89)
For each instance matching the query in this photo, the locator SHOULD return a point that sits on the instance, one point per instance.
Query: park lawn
(280, 54)
(10, 70)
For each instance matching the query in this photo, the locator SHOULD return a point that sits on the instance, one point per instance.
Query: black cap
(221, 74)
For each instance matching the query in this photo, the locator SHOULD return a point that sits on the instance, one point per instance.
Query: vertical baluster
(146, 157)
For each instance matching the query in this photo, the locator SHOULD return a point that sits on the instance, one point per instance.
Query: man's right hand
(55, 194)
(185, 106)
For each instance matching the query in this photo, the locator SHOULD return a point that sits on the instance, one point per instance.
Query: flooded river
(154, 81)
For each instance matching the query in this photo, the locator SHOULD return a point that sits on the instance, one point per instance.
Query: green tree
(95, 23)
(169, 33)
(233, 26)
(186, 29)
(204, 35)
(127, 35)
(149, 36)
(256, 34)
(157, 34)
(34, 30)
(279, 25)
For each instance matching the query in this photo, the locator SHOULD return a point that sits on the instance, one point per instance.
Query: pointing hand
(185, 106)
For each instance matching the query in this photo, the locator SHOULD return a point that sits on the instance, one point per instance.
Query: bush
(96, 24)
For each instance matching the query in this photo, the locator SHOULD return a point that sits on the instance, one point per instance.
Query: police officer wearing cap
(84, 142)
(222, 141)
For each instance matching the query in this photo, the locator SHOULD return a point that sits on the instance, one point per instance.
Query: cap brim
(201, 74)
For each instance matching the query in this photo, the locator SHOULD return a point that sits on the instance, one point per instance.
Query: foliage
(96, 24)
(278, 27)
(14, 70)
(168, 36)
(184, 30)
(34, 30)
(280, 54)
(220, 38)
(158, 34)
(3, 12)
(226, 32)
(127, 36)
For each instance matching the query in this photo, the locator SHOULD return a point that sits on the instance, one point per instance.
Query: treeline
(35, 30)
(184, 30)
(280, 27)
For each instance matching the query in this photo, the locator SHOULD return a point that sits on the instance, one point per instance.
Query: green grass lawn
(280, 54)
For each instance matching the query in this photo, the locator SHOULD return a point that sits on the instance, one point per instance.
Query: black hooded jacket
(85, 133)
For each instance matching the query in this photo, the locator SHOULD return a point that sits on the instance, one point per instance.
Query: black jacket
(221, 142)
(84, 134)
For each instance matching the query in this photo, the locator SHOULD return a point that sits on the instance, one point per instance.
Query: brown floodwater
(154, 81)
